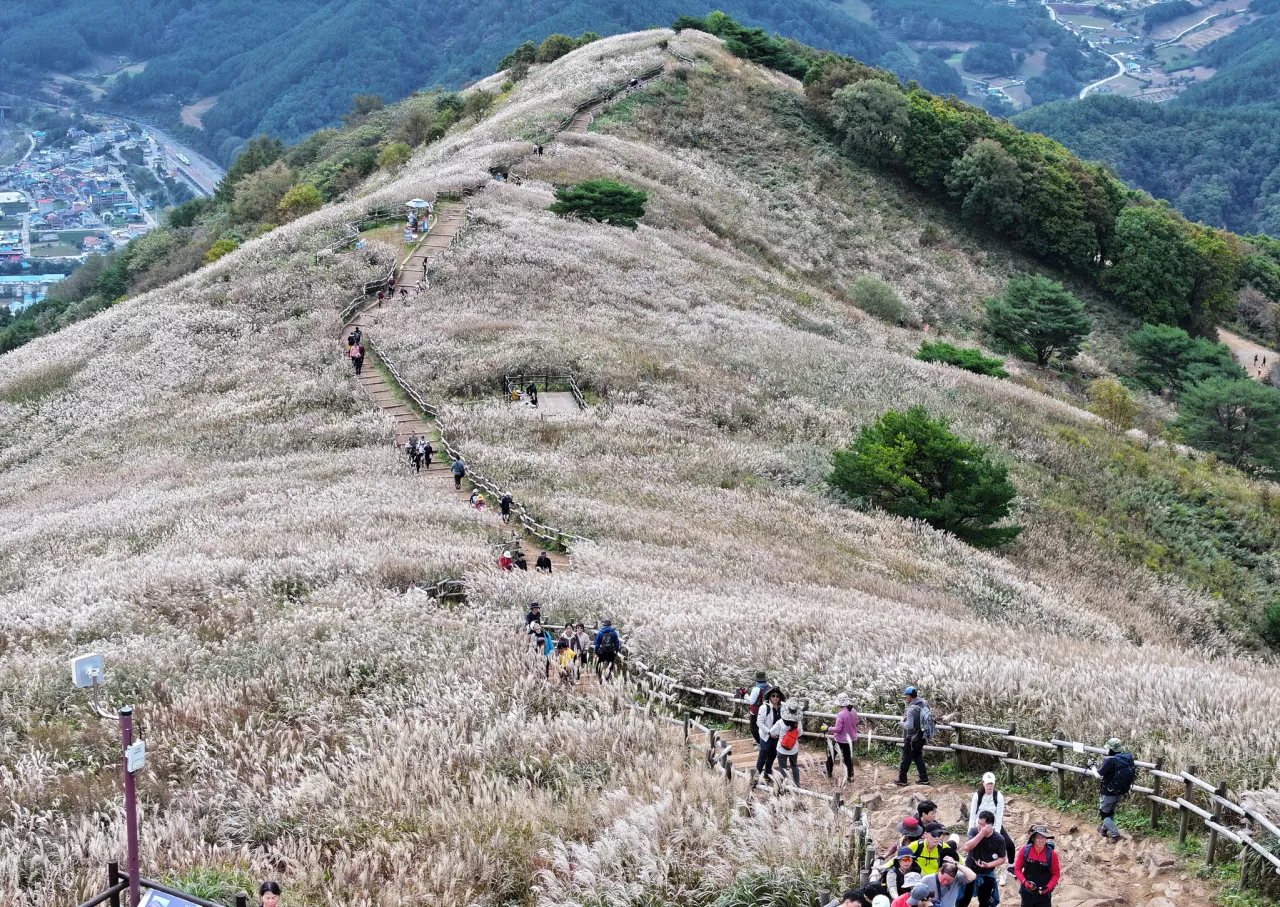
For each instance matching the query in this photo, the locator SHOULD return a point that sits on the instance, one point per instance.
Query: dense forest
(288, 67)
(1214, 151)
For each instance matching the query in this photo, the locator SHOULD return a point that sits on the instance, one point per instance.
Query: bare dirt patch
(192, 113)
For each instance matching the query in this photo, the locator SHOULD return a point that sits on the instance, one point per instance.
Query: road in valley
(1119, 72)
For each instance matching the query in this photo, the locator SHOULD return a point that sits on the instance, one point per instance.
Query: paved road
(1120, 71)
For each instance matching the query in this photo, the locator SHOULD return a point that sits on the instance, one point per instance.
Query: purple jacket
(846, 728)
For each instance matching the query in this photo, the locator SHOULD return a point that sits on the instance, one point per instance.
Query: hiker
(269, 894)
(504, 562)
(987, 853)
(934, 849)
(504, 507)
(919, 896)
(926, 812)
(1116, 774)
(519, 561)
(948, 883)
(357, 357)
(381, 294)
(770, 714)
(425, 450)
(458, 472)
(755, 698)
(911, 832)
(531, 390)
(533, 615)
(789, 731)
(411, 447)
(854, 897)
(845, 735)
(357, 334)
(986, 797)
(897, 875)
(543, 564)
(584, 644)
(565, 657)
(1037, 869)
(915, 731)
(607, 645)
(478, 502)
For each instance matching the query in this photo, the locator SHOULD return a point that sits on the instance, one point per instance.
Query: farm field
(53, 250)
(196, 488)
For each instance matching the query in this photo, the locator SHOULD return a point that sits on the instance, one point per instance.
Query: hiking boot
(1102, 830)
(900, 784)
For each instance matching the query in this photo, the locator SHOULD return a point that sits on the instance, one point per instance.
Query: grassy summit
(193, 488)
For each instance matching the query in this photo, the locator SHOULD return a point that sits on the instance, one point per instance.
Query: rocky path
(1246, 350)
(1133, 872)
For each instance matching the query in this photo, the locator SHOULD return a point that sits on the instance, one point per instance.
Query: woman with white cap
(988, 799)
(788, 732)
(845, 733)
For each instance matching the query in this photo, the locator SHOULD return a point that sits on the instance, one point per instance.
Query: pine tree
(1040, 319)
(607, 201)
(1237, 420)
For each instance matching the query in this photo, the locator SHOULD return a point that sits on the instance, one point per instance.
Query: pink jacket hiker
(846, 727)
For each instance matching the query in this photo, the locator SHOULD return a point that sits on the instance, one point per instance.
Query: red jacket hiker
(1038, 869)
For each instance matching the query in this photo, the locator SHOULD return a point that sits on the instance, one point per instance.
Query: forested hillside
(289, 67)
(1214, 151)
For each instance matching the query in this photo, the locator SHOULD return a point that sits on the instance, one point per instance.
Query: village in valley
(80, 192)
(1151, 63)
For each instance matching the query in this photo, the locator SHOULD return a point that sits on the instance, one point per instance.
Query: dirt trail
(1245, 350)
(1133, 872)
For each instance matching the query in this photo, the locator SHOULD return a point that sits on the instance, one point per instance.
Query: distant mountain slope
(289, 67)
(1214, 151)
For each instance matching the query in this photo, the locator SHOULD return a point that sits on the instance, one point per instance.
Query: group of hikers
(530, 394)
(515, 560)
(927, 866)
(355, 349)
(576, 649)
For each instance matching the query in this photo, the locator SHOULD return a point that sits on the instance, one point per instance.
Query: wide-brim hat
(1115, 744)
(910, 827)
(843, 700)
(792, 712)
(761, 677)
(1042, 830)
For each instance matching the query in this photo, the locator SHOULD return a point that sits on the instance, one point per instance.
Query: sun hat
(1042, 830)
(910, 827)
(989, 778)
(1115, 745)
(881, 900)
(905, 851)
(761, 677)
(843, 700)
(911, 880)
(792, 712)
(909, 691)
(936, 828)
(919, 895)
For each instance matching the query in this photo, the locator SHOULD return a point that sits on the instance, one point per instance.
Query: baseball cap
(881, 900)
(919, 895)
(936, 828)
(909, 691)
(989, 778)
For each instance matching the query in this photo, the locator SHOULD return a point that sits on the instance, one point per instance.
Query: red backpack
(790, 738)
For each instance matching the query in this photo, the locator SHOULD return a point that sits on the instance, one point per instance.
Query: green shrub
(220, 248)
(969, 360)
(911, 465)
(607, 201)
(301, 199)
(877, 298)
(394, 156)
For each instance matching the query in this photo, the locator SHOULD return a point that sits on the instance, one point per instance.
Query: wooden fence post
(1155, 791)
(959, 741)
(1184, 817)
(1062, 775)
(1217, 820)
(686, 730)
(855, 836)
(1012, 749)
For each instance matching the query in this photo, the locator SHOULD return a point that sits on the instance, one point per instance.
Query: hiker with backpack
(357, 357)
(584, 645)
(934, 848)
(845, 735)
(917, 728)
(788, 731)
(459, 471)
(411, 448)
(607, 645)
(988, 798)
(987, 853)
(531, 391)
(1037, 869)
(770, 714)
(543, 564)
(948, 884)
(504, 507)
(1116, 773)
(755, 699)
(897, 876)
(918, 896)
(425, 450)
(565, 658)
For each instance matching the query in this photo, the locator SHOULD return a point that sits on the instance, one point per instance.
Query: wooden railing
(519, 382)
(607, 95)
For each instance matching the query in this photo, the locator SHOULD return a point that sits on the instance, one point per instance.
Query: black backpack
(608, 645)
(1122, 777)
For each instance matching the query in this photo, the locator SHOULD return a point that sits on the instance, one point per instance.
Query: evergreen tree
(1040, 319)
(911, 465)
(1170, 357)
(989, 185)
(1237, 420)
(607, 201)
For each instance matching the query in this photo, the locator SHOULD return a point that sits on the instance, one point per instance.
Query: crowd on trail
(575, 650)
(929, 865)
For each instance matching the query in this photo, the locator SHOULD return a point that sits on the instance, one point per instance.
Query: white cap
(989, 778)
(881, 900)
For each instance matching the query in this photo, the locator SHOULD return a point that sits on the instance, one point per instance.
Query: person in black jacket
(543, 563)
(1116, 773)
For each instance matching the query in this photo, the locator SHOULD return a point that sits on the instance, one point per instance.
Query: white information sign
(136, 756)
